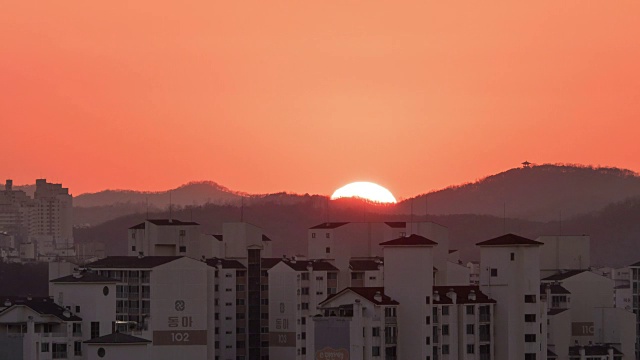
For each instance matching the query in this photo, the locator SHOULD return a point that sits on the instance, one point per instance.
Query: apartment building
(635, 303)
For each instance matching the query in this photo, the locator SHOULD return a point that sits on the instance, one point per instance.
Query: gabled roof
(462, 295)
(552, 312)
(412, 240)
(396, 224)
(563, 275)
(41, 305)
(265, 238)
(164, 222)
(117, 338)
(316, 265)
(551, 353)
(593, 350)
(85, 277)
(368, 293)
(364, 264)
(509, 240)
(226, 263)
(145, 262)
(329, 225)
(635, 264)
(555, 289)
(268, 263)
(217, 236)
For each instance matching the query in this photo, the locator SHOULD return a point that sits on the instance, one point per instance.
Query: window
(183, 249)
(305, 276)
(305, 306)
(375, 332)
(428, 320)
(529, 337)
(470, 309)
(303, 335)
(327, 235)
(513, 256)
(44, 347)
(428, 340)
(530, 356)
(133, 248)
(77, 329)
(239, 287)
(494, 272)
(227, 304)
(530, 299)
(313, 235)
(328, 249)
(264, 301)
(239, 301)
(471, 349)
(319, 278)
(470, 329)
(332, 276)
(375, 351)
(445, 310)
(183, 232)
(372, 277)
(428, 300)
(445, 329)
(304, 291)
(303, 320)
(241, 273)
(529, 317)
(95, 329)
(77, 348)
(445, 349)
(60, 351)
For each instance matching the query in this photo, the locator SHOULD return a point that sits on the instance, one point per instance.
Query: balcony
(485, 317)
(391, 340)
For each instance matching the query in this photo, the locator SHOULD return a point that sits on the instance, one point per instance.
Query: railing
(391, 340)
(77, 334)
(485, 317)
(390, 319)
(485, 337)
(59, 354)
(53, 334)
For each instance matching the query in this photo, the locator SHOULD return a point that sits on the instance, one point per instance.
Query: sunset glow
(365, 190)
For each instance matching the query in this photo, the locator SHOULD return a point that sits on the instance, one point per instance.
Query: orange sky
(306, 96)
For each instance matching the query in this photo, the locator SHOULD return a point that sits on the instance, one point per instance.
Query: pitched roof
(551, 353)
(396, 224)
(412, 240)
(164, 222)
(364, 264)
(563, 275)
(268, 263)
(145, 262)
(84, 277)
(509, 240)
(555, 289)
(462, 295)
(265, 238)
(316, 265)
(329, 225)
(635, 264)
(552, 312)
(593, 350)
(117, 338)
(217, 236)
(226, 263)
(41, 305)
(368, 293)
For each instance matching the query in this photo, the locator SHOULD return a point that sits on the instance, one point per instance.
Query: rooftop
(365, 264)
(563, 275)
(509, 240)
(552, 312)
(226, 263)
(412, 240)
(41, 305)
(396, 224)
(329, 225)
(316, 265)
(164, 222)
(117, 338)
(268, 263)
(555, 289)
(84, 277)
(462, 295)
(593, 350)
(145, 262)
(368, 293)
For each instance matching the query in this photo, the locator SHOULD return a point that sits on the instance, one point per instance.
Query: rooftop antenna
(412, 215)
(170, 208)
(426, 207)
(147, 200)
(242, 209)
(327, 212)
(504, 217)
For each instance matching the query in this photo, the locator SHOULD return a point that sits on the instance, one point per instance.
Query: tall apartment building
(510, 274)
(44, 223)
(635, 304)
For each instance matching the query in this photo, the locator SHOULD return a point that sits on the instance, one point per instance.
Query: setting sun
(365, 190)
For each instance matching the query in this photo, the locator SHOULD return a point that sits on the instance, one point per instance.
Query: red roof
(412, 240)
(509, 240)
(329, 225)
(396, 224)
(462, 295)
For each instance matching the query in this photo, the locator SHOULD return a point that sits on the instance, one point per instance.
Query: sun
(365, 190)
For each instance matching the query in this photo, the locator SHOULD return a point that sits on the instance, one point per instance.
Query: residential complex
(388, 291)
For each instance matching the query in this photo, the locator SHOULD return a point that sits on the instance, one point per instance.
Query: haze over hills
(538, 193)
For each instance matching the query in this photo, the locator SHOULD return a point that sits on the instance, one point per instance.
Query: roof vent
(452, 295)
(7, 303)
(436, 296)
(378, 296)
(472, 295)
(29, 297)
(140, 255)
(66, 313)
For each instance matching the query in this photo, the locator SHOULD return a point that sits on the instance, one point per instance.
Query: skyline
(305, 98)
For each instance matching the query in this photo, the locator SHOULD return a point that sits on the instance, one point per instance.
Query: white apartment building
(37, 328)
(566, 252)
(296, 288)
(635, 303)
(510, 274)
